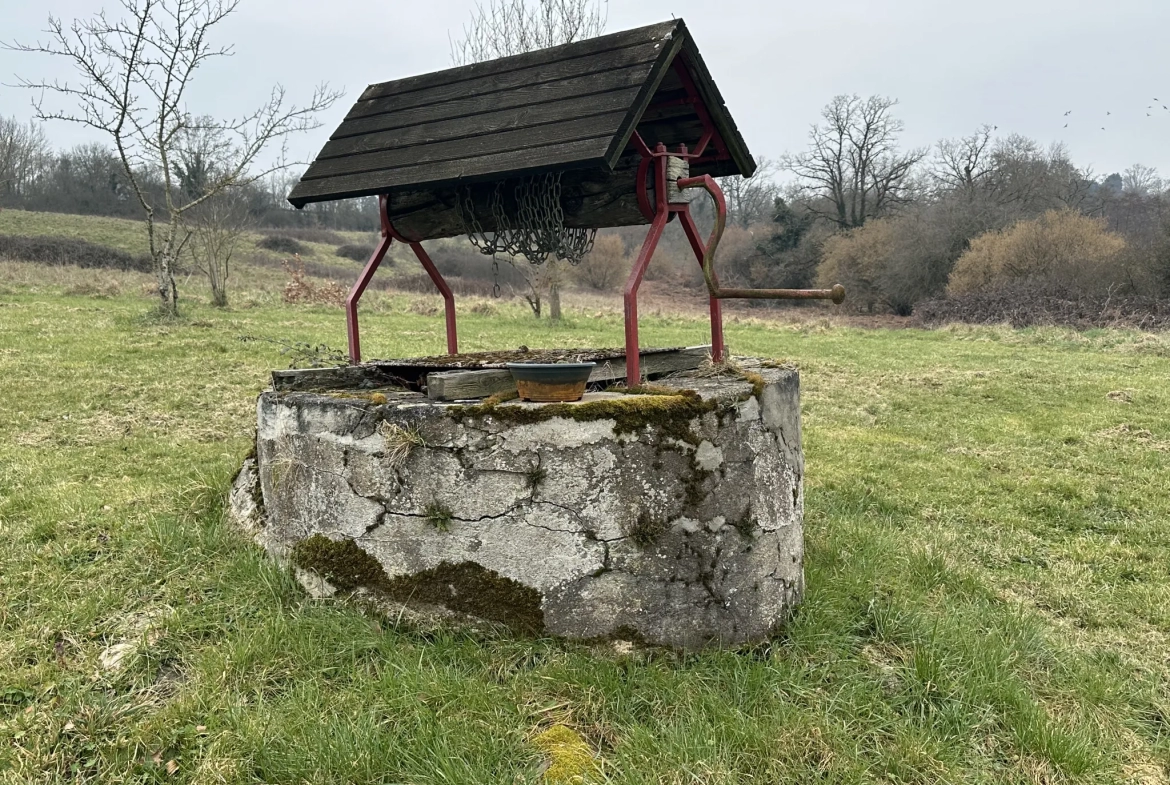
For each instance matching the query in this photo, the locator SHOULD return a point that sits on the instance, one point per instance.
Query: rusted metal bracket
(654, 166)
(389, 235)
(707, 183)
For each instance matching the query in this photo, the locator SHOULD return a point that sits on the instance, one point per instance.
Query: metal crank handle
(707, 183)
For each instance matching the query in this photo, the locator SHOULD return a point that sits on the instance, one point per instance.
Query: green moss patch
(670, 413)
(341, 562)
(469, 588)
(465, 587)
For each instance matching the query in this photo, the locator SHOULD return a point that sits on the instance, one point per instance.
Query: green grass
(987, 559)
(130, 236)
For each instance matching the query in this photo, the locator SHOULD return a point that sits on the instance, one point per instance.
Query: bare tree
(750, 199)
(134, 75)
(24, 152)
(964, 164)
(509, 27)
(1140, 180)
(216, 226)
(853, 169)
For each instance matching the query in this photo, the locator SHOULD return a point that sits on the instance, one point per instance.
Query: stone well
(674, 518)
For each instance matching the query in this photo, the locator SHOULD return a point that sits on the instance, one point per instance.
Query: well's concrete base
(674, 519)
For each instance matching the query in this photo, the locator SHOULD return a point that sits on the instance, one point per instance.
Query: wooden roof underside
(568, 107)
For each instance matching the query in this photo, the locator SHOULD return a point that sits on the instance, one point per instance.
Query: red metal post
(445, 290)
(692, 232)
(661, 216)
(355, 294)
(389, 235)
(633, 355)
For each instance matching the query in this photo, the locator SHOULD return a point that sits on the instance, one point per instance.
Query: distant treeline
(89, 180)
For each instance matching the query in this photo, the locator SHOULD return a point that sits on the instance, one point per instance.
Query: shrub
(460, 287)
(282, 244)
(1060, 248)
(891, 262)
(323, 236)
(300, 289)
(358, 253)
(605, 265)
(66, 250)
(1028, 304)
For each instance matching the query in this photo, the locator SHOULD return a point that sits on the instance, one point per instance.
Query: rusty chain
(532, 226)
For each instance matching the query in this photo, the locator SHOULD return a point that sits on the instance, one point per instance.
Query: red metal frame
(389, 235)
(659, 212)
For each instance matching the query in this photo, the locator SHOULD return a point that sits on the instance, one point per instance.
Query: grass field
(988, 573)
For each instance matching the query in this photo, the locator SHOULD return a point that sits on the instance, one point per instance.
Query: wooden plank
(589, 47)
(653, 364)
(342, 377)
(467, 106)
(581, 153)
(481, 383)
(591, 197)
(483, 125)
(469, 147)
(461, 385)
(657, 72)
(642, 57)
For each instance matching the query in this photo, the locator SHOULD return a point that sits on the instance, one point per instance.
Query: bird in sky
(1066, 114)
(1066, 125)
(1108, 113)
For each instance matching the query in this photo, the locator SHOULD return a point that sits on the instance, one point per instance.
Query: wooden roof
(569, 107)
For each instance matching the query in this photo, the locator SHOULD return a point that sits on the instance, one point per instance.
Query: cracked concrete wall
(685, 542)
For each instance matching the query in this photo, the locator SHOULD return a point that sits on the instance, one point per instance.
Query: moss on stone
(756, 381)
(646, 529)
(670, 413)
(693, 493)
(475, 590)
(341, 562)
(465, 587)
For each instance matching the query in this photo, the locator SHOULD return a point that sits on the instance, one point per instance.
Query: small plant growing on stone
(439, 515)
(646, 530)
(535, 476)
(400, 440)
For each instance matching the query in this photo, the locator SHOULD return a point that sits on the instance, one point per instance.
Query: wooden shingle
(570, 108)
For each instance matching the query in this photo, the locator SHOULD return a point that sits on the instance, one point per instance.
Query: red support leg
(692, 232)
(445, 290)
(633, 357)
(355, 294)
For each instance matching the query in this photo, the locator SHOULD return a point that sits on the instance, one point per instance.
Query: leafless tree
(964, 164)
(23, 154)
(853, 169)
(509, 27)
(1140, 180)
(216, 226)
(750, 199)
(134, 75)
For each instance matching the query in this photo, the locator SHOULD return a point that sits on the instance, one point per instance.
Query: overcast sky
(1017, 64)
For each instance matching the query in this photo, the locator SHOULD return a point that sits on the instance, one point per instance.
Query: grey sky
(1017, 64)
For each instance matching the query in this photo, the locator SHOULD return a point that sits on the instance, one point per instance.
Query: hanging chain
(495, 277)
(532, 225)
